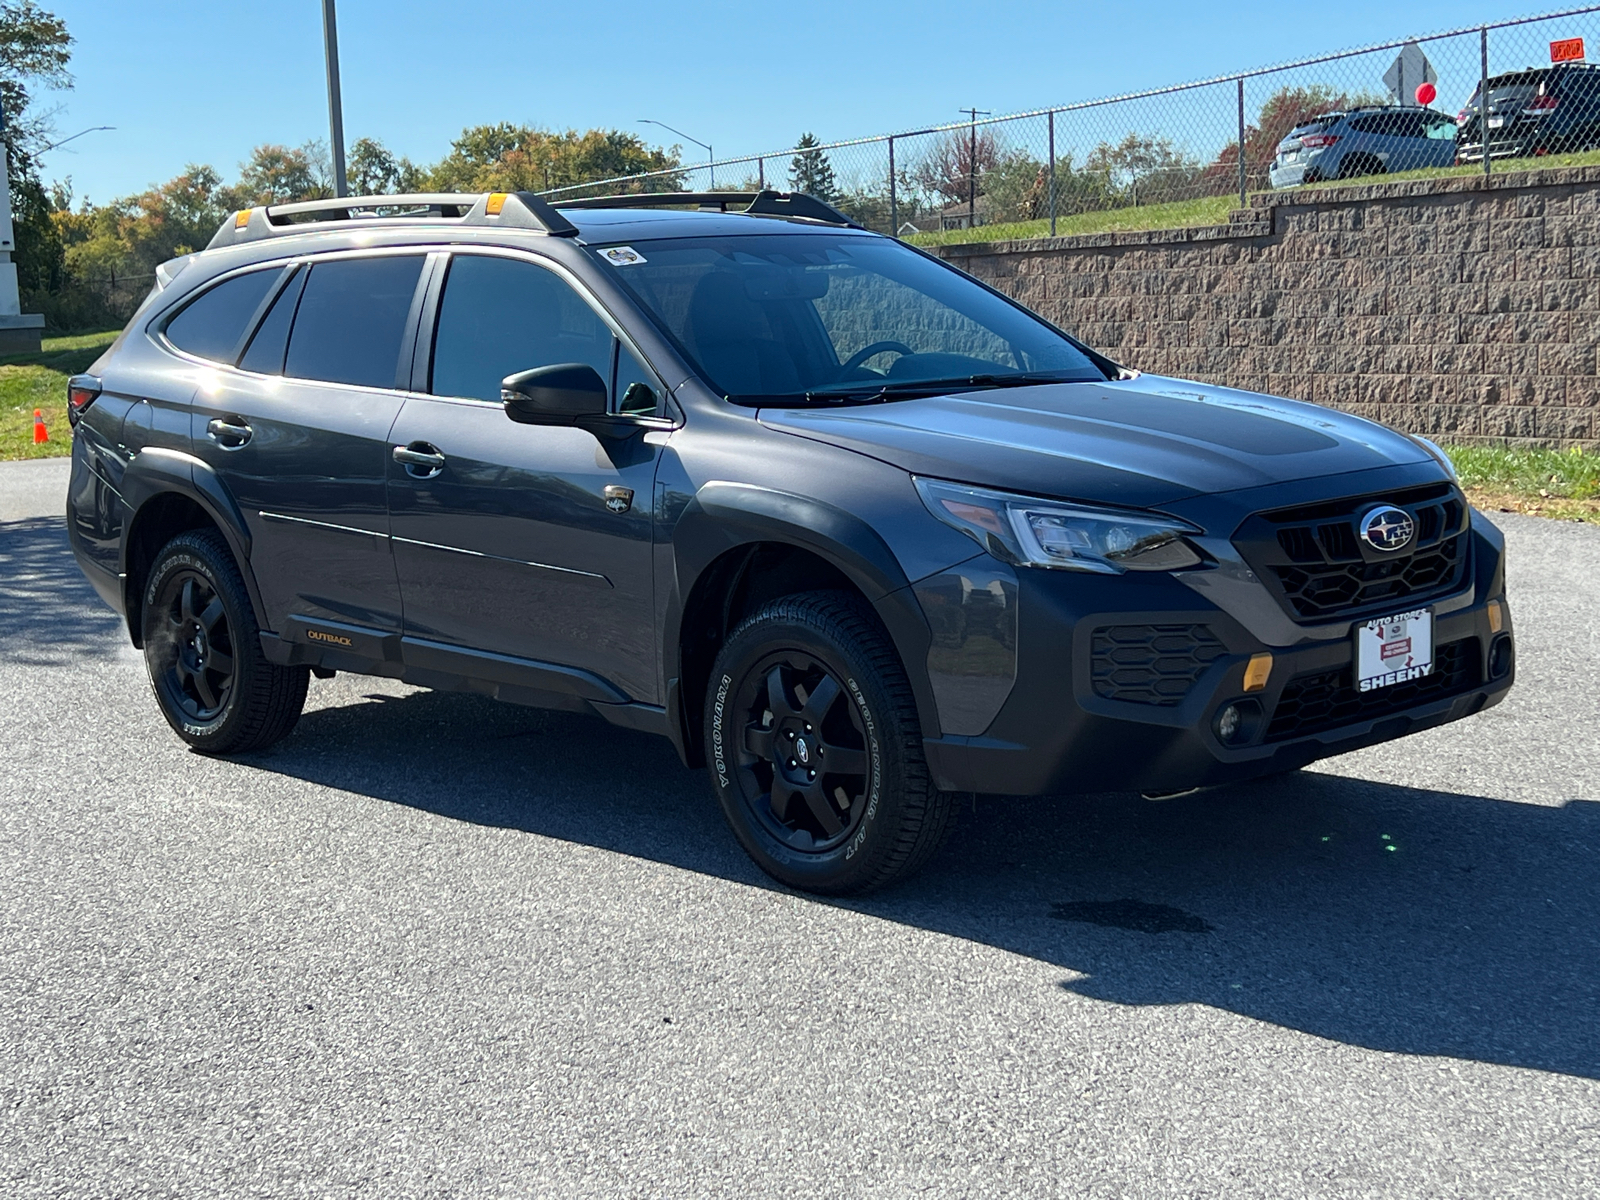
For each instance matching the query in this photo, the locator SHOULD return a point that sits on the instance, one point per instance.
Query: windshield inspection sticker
(622, 256)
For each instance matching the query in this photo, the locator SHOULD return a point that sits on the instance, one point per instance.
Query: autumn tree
(957, 161)
(373, 171)
(510, 158)
(280, 175)
(1145, 168)
(35, 49)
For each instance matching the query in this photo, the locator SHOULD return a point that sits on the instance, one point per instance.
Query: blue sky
(204, 82)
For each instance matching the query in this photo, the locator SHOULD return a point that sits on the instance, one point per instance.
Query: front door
(532, 542)
(299, 434)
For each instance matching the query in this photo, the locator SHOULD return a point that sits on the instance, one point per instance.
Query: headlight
(1047, 533)
(1433, 449)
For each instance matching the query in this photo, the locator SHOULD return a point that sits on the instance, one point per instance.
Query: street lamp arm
(75, 137)
(703, 145)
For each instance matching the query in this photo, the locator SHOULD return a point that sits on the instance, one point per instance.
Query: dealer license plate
(1394, 649)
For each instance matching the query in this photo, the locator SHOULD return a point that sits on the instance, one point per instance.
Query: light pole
(330, 45)
(972, 164)
(75, 137)
(711, 155)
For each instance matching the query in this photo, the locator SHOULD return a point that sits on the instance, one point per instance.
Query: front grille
(1152, 664)
(1313, 703)
(1312, 559)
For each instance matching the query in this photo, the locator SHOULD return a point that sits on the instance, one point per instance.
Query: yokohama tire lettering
(716, 729)
(875, 779)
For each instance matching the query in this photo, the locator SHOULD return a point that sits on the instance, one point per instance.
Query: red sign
(1569, 50)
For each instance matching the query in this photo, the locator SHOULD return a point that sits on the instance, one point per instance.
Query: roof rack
(761, 204)
(508, 210)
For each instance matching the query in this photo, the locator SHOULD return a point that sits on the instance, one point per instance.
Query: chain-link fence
(1199, 148)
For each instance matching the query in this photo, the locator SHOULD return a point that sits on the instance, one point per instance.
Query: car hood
(1139, 443)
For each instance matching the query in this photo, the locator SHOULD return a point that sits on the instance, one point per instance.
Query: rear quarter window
(212, 325)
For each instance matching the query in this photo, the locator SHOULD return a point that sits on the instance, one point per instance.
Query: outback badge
(618, 499)
(1387, 528)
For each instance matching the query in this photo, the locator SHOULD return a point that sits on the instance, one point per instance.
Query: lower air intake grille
(1313, 703)
(1152, 664)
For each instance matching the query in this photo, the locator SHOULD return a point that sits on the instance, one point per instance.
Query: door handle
(420, 460)
(230, 435)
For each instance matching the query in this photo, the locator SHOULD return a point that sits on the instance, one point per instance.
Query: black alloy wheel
(815, 748)
(202, 648)
(197, 647)
(803, 755)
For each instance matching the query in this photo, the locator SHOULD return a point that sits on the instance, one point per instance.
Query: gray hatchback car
(1364, 141)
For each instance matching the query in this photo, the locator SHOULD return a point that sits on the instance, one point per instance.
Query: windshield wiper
(902, 389)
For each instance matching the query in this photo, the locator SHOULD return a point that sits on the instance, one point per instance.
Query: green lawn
(30, 381)
(1212, 210)
(1551, 483)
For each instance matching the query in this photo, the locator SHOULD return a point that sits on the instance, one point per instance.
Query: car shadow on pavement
(38, 580)
(1393, 918)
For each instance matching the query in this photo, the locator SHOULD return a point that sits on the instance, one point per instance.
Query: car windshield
(820, 317)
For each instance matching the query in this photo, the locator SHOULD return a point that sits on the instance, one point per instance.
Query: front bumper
(1058, 733)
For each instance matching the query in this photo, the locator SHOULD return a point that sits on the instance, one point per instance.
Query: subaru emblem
(1387, 528)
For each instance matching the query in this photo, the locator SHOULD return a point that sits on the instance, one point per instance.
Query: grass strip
(1214, 210)
(39, 381)
(1564, 484)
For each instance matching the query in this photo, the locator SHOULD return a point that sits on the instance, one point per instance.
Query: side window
(212, 325)
(499, 316)
(637, 391)
(271, 339)
(352, 319)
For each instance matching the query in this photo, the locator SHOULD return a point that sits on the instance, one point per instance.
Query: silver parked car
(1364, 141)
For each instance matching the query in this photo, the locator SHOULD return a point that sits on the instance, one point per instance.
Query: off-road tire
(898, 820)
(256, 702)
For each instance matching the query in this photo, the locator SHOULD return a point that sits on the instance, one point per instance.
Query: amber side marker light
(495, 202)
(241, 218)
(1257, 672)
(1497, 617)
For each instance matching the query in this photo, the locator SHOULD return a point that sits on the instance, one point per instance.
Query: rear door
(298, 434)
(532, 542)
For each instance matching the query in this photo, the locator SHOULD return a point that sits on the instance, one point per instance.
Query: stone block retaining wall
(1464, 309)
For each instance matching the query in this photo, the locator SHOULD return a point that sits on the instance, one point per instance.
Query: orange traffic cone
(40, 433)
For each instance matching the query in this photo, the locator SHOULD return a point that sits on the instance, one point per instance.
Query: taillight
(1318, 141)
(1540, 106)
(82, 390)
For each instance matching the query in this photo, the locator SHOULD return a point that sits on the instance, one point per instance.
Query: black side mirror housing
(565, 394)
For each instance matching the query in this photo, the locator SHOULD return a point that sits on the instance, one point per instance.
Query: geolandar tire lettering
(815, 751)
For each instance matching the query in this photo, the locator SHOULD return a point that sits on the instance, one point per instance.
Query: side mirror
(565, 394)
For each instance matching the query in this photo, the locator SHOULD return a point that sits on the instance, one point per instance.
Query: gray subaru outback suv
(853, 531)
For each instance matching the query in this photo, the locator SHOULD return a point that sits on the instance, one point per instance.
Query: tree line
(87, 265)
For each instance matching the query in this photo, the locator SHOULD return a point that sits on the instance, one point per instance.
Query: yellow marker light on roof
(241, 218)
(1497, 617)
(496, 201)
(1257, 671)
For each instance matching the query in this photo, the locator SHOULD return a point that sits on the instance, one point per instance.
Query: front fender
(724, 516)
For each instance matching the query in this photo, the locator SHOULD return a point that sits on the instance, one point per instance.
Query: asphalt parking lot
(434, 946)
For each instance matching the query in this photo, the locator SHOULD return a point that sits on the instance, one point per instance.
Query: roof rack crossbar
(764, 203)
(340, 208)
(518, 210)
